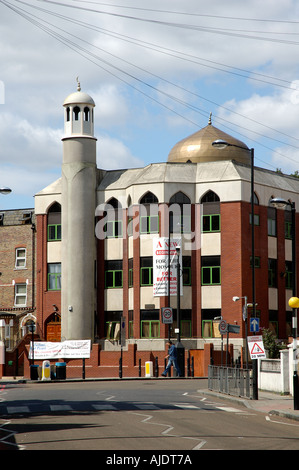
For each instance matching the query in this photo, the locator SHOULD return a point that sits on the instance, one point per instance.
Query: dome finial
(210, 119)
(78, 86)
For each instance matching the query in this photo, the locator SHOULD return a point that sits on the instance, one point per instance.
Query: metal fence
(231, 380)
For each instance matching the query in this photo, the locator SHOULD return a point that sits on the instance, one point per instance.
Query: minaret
(78, 218)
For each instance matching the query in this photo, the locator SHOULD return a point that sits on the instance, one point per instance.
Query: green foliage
(270, 343)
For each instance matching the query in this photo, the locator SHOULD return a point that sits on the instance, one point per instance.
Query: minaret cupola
(78, 114)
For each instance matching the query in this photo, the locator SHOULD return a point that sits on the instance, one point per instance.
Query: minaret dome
(79, 114)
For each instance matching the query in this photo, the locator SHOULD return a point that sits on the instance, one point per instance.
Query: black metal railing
(231, 380)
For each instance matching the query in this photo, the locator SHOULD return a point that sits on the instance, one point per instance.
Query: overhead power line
(87, 54)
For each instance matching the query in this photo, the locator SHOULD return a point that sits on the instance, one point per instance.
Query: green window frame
(146, 271)
(288, 230)
(54, 276)
(54, 232)
(257, 261)
(288, 274)
(210, 275)
(113, 229)
(210, 223)
(149, 224)
(113, 330)
(113, 279)
(150, 329)
(146, 276)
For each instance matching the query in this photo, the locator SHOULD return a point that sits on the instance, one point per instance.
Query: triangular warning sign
(256, 349)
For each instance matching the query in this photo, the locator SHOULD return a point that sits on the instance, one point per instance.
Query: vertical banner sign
(160, 266)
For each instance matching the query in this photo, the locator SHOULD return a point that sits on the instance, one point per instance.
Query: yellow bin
(149, 369)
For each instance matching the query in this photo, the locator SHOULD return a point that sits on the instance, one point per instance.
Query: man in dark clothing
(172, 359)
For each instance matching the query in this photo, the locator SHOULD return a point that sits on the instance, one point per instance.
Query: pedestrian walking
(172, 360)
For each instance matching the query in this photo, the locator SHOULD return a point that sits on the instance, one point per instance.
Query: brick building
(17, 274)
(96, 231)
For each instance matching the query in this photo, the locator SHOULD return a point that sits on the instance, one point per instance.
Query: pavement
(268, 402)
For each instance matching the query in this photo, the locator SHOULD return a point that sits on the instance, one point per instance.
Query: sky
(156, 70)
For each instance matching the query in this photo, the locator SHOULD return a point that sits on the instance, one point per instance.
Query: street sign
(233, 328)
(123, 331)
(254, 324)
(256, 347)
(167, 315)
(222, 327)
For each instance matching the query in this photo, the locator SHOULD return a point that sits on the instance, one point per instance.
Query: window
(210, 323)
(288, 223)
(149, 198)
(288, 275)
(272, 272)
(211, 223)
(257, 261)
(211, 270)
(54, 232)
(210, 196)
(180, 213)
(149, 224)
(20, 258)
(113, 274)
(112, 325)
(54, 276)
(20, 295)
(256, 219)
(86, 113)
(146, 271)
(68, 114)
(76, 112)
(186, 270)
(150, 324)
(130, 272)
(114, 229)
(272, 221)
(54, 222)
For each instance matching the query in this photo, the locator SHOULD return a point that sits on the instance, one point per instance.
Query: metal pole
(254, 362)
(168, 285)
(178, 298)
(294, 310)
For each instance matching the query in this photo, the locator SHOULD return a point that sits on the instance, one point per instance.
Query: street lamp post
(280, 203)
(4, 190)
(179, 346)
(221, 144)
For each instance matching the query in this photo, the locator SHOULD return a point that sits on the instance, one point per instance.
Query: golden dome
(197, 148)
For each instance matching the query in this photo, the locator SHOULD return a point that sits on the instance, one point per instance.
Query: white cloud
(113, 154)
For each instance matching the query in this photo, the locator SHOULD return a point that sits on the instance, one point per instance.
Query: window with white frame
(20, 258)
(20, 294)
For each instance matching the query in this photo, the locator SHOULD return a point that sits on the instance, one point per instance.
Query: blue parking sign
(254, 324)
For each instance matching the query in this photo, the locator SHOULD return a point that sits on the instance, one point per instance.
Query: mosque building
(108, 242)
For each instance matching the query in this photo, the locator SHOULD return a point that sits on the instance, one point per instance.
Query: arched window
(180, 198)
(210, 221)
(113, 202)
(54, 222)
(149, 198)
(76, 112)
(255, 199)
(86, 113)
(114, 225)
(180, 213)
(68, 117)
(210, 196)
(149, 214)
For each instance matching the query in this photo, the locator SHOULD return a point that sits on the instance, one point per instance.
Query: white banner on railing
(74, 349)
